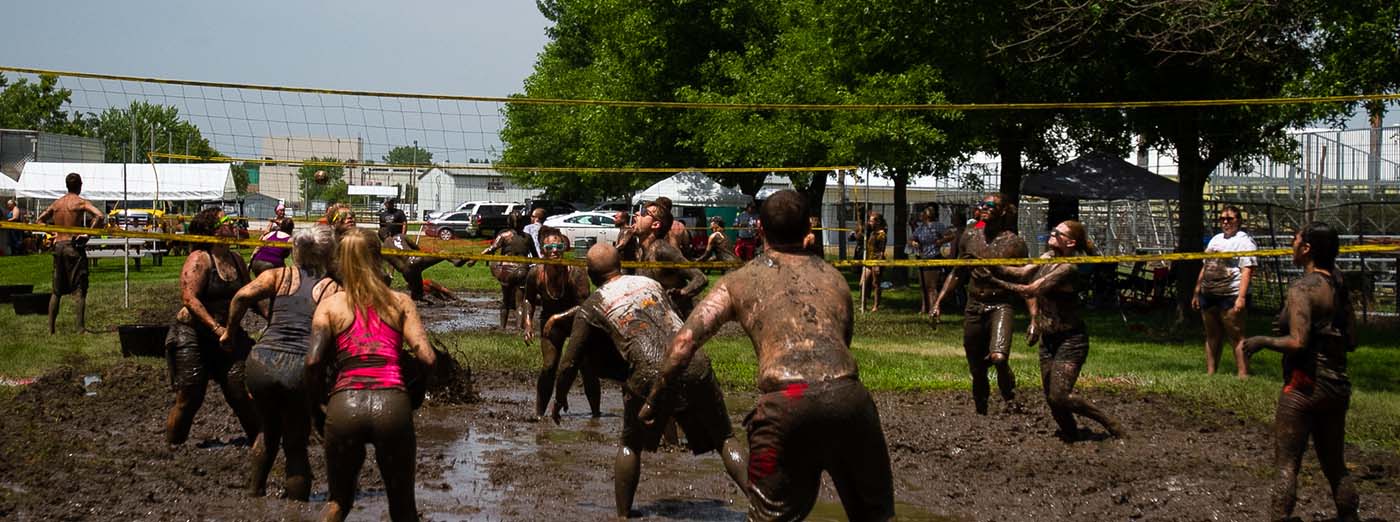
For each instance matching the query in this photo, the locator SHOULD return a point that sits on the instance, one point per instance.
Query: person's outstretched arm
(707, 318)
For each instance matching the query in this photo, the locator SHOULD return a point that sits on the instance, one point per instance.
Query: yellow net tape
(739, 106)
(1185, 256)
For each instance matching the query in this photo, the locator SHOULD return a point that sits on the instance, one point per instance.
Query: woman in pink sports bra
(361, 331)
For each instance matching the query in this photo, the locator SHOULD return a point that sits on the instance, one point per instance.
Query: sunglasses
(1227, 219)
(553, 247)
(1055, 232)
(226, 220)
(987, 205)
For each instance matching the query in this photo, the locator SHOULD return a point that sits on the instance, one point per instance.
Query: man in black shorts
(70, 261)
(814, 414)
(621, 331)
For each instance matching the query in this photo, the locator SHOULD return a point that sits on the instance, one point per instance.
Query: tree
(334, 190)
(39, 106)
(129, 133)
(1189, 50)
(409, 155)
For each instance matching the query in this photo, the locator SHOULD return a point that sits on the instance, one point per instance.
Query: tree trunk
(899, 276)
(1376, 111)
(815, 192)
(1192, 172)
(1009, 146)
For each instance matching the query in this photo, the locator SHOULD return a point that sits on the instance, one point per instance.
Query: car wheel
(445, 234)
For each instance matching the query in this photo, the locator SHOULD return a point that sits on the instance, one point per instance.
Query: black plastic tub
(8, 290)
(143, 340)
(30, 304)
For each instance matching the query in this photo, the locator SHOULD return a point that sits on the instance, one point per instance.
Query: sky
(476, 47)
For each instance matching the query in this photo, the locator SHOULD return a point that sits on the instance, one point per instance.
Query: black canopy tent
(1094, 177)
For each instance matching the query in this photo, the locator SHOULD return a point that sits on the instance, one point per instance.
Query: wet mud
(70, 451)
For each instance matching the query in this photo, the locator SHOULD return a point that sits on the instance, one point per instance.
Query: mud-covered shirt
(634, 312)
(1221, 277)
(1059, 306)
(974, 245)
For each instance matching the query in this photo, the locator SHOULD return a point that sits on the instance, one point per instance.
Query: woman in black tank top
(277, 363)
(1317, 330)
(554, 289)
(212, 274)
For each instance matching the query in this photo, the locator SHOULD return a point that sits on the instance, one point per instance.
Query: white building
(280, 181)
(443, 189)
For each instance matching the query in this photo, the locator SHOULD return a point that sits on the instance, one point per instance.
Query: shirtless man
(814, 414)
(70, 262)
(626, 243)
(679, 236)
(651, 226)
(989, 312)
(622, 331)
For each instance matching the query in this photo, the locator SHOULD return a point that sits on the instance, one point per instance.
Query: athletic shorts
(802, 429)
(1066, 347)
(194, 357)
(70, 268)
(1223, 302)
(987, 329)
(699, 410)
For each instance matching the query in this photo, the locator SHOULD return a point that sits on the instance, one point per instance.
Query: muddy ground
(77, 446)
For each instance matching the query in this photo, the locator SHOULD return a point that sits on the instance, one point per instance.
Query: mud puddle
(66, 455)
(470, 312)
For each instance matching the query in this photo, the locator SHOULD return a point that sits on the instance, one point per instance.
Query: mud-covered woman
(1064, 342)
(555, 288)
(510, 242)
(874, 241)
(212, 274)
(717, 244)
(278, 362)
(361, 332)
(1316, 329)
(266, 258)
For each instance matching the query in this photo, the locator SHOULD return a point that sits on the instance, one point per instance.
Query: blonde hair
(359, 260)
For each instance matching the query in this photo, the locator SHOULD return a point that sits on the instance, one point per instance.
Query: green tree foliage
(409, 155)
(40, 106)
(334, 190)
(146, 127)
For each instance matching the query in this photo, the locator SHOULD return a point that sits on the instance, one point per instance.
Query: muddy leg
(1062, 398)
(864, 282)
(544, 384)
(875, 282)
(80, 308)
(397, 457)
(1329, 437)
(345, 454)
(266, 444)
(736, 462)
(1068, 429)
(1290, 441)
(236, 394)
(187, 403)
(627, 469)
(53, 311)
(1210, 318)
(592, 391)
(1000, 357)
(296, 429)
(975, 349)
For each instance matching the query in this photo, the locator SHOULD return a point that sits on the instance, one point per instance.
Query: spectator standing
(1222, 290)
(391, 220)
(747, 242)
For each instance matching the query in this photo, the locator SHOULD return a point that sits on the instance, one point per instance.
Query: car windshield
(491, 210)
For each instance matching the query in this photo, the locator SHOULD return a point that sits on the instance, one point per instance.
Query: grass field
(896, 349)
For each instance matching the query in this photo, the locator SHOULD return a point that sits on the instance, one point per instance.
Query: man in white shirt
(1222, 289)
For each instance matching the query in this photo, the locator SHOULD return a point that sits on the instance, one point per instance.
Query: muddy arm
(1299, 324)
(1055, 276)
(98, 218)
(949, 284)
(566, 314)
(263, 287)
(707, 318)
(414, 334)
(319, 353)
(192, 278)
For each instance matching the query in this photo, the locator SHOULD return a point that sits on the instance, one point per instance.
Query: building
(18, 147)
(280, 181)
(443, 189)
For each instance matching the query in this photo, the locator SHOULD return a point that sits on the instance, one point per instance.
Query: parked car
(590, 227)
(551, 208)
(473, 218)
(450, 224)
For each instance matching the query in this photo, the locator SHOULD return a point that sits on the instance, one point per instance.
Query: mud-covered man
(814, 414)
(70, 262)
(622, 331)
(989, 312)
(626, 244)
(651, 227)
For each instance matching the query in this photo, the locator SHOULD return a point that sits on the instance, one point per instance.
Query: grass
(896, 349)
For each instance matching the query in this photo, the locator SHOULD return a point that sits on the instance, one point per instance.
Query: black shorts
(699, 411)
(987, 329)
(1064, 347)
(1223, 302)
(276, 373)
(803, 429)
(70, 268)
(194, 357)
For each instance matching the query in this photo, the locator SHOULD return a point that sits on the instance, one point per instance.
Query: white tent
(7, 185)
(144, 181)
(693, 189)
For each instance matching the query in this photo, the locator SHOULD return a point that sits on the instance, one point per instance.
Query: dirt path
(70, 452)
